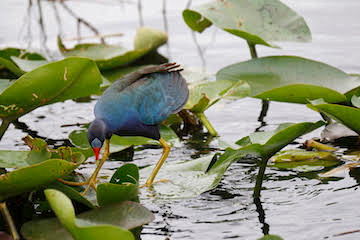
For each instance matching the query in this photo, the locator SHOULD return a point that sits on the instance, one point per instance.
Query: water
(297, 205)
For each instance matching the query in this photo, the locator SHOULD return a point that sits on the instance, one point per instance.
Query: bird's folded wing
(158, 95)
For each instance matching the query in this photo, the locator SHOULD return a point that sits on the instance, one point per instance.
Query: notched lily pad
(290, 79)
(111, 56)
(110, 222)
(257, 21)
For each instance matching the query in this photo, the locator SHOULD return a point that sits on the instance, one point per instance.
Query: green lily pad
(206, 93)
(5, 83)
(41, 165)
(208, 171)
(109, 222)
(127, 173)
(291, 79)
(123, 186)
(27, 65)
(7, 61)
(41, 174)
(343, 114)
(54, 82)
(257, 21)
(71, 193)
(111, 56)
(117, 143)
(295, 158)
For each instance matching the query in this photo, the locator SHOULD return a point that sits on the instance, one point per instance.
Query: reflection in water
(265, 227)
(141, 18)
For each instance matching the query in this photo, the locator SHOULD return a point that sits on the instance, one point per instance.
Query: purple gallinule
(134, 105)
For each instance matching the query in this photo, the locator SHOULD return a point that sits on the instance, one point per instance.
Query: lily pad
(109, 222)
(271, 237)
(40, 165)
(27, 65)
(111, 56)
(7, 61)
(257, 21)
(206, 93)
(123, 186)
(291, 79)
(54, 82)
(346, 115)
(208, 171)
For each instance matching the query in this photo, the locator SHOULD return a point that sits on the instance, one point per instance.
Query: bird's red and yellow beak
(96, 152)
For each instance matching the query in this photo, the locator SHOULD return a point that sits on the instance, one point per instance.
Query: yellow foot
(149, 184)
(90, 183)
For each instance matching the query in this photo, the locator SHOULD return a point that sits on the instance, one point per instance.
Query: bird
(135, 105)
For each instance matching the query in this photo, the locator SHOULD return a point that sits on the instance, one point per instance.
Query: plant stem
(265, 103)
(260, 178)
(3, 127)
(252, 49)
(207, 124)
(8, 219)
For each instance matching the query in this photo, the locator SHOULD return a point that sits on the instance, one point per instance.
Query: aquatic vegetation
(35, 179)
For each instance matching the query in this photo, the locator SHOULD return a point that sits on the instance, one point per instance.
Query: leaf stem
(3, 127)
(207, 124)
(8, 219)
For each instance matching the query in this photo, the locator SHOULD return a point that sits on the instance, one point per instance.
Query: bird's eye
(96, 143)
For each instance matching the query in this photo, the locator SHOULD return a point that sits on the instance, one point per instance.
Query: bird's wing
(122, 83)
(158, 95)
(151, 98)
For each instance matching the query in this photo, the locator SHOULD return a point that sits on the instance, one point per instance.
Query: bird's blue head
(97, 134)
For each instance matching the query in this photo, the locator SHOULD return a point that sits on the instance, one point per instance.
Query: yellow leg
(92, 180)
(165, 154)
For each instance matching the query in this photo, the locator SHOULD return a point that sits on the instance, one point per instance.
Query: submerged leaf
(257, 21)
(294, 158)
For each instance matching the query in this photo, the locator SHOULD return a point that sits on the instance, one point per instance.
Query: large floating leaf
(117, 143)
(58, 81)
(6, 59)
(110, 56)
(110, 222)
(291, 79)
(207, 172)
(257, 21)
(349, 116)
